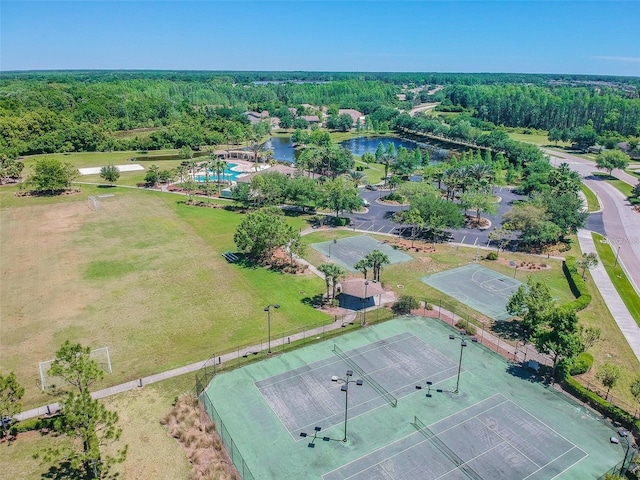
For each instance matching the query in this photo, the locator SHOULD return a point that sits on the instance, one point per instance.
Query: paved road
(620, 223)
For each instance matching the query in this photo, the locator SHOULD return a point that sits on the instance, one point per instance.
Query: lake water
(283, 147)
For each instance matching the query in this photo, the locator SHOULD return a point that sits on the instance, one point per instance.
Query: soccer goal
(100, 355)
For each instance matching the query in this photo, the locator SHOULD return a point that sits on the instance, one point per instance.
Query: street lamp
(630, 448)
(463, 344)
(268, 310)
(345, 388)
(334, 242)
(364, 305)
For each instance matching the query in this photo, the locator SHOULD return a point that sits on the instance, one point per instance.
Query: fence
(461, 317)
(229, 444)
(456, 315)
(618, 402)
(281, 342)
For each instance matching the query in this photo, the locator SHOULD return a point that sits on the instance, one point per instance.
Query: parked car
(371, 187)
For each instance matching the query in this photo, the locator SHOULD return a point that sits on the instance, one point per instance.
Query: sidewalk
(612, 299)
(516, 353)
(193, 367)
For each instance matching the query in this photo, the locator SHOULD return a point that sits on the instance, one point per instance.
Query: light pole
(630, 447)
(364, 304)
(334, 242)
(268, 310)
(345, 388)
(463, 344)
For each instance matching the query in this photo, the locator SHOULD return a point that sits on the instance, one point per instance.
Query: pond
(283, 147)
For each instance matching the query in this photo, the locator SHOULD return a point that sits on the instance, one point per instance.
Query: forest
(47, 112)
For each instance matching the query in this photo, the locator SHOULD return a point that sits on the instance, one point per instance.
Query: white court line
(411, 434)
(569, 467)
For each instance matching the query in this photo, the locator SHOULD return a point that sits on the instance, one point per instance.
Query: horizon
(347, 72)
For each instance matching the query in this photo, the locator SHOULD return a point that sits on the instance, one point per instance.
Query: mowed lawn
(144, 276)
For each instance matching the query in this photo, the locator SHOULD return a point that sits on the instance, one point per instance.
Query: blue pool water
(227, 175)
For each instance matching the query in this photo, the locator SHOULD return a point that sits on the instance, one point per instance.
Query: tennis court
(349, 250)
(499, 425)
(481, 288)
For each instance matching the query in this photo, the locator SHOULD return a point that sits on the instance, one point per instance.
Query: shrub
(594, 400)
(405, 304)
(582, 364)
(32, 424)
(467, 326)
(492, 256)
(340, 222)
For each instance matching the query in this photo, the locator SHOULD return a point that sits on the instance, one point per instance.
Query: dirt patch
(524, 265)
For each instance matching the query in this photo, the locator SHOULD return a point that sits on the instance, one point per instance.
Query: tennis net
(446, 451)
(393, 401)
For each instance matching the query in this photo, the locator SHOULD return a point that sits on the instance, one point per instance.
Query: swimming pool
(227, 175)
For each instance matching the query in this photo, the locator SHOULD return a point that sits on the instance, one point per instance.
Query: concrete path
(616, 306)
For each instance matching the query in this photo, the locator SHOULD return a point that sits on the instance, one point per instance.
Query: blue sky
(585, 37)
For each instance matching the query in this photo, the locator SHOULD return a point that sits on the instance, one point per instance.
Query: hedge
(601, 405)
(577, 285)
(32, 424)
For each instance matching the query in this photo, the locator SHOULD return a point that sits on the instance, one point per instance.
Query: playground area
(348, 251)
(289, 416)
(478, 287)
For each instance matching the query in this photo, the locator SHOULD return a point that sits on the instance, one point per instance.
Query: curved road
(620, 222)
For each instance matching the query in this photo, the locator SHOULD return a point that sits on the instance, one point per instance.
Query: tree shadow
(64, 471)
(509, 329)
(521, 371)
(315, 301)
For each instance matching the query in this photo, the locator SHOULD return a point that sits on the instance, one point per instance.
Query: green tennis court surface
(348, 251)
(499, 425)
(480, 288)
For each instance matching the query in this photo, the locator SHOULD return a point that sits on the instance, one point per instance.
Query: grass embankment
(593, 205)
(623, 187)
(618, 276)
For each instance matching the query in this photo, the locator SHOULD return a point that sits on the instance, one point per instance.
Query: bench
(230, 257)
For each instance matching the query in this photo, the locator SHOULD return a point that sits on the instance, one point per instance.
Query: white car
(366, 203)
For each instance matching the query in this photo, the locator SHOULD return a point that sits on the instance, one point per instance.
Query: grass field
(152, 453)
(540, 140)
(143, 276)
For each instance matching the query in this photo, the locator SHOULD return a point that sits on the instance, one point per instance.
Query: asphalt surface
(618, 222)
(378, 218)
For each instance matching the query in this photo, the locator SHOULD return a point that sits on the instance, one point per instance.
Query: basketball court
(482, 289)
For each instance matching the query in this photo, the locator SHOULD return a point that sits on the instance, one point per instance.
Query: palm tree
(356, 177)
(332, 275)
(363, 266)
(219, 167)
(387, 159)
(181, 170)
(377, 259)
